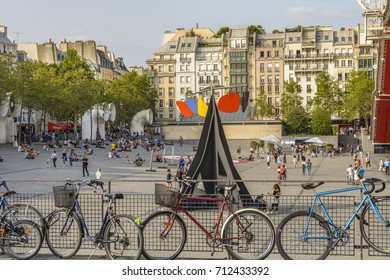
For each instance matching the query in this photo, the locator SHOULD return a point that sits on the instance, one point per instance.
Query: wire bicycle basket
(64, 196)
(165, 198)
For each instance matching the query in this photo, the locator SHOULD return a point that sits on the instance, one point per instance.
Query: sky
(134, 29)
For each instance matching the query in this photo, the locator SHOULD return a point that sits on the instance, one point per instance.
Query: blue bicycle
(119, 234)
(307, 235)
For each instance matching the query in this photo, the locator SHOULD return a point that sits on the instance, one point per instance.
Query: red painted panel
(383, 121)
(386, 69)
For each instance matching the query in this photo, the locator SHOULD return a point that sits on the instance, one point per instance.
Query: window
(269, 53)
(171, 80)
(277, 88)
(160, 69)
(343, 63)
(290, 39)
(182, 91)
(171, 101)
(262, 54)
(349, 63)
(215, 67)
(326, 37)
(343, 39)
(276, 53)
(182, 79)
(298, 39)
(308, 79)
(182, 68)
(274, 44)
(346, 75)
(276, 66)
(277, 102)
(188, 68)
(170, 114)
(170, 92)
(262, 88)
(201, 80)
(161, 92)
(336, 39)
(262, 79)
(336, 63)
(269, 79)
(269, 100)
(277, 79)
(261, 67)
(161, 103)
(188, 79)
(170, 68)
(308, 88)
(340, 76)
(290, 66)
(350, 39)
(269, 89)
(269, 67)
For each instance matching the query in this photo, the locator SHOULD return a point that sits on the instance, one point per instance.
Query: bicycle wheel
(23, 211)
(63, 233)
(123, 238)
(291, 243)
(248, 234)
(164, 236)
(22, 240)
(373, 231)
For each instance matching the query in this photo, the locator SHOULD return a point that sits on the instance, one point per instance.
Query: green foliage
(321, 122)
(291, 98)
(275, 31)
(221, 31)
(270, 146)
(5, 77)
(261, 143)
(262, 107)
(256, 28)
(328, 95)
(254, 145)
(357, 97)
(329, 148)
(297, 120)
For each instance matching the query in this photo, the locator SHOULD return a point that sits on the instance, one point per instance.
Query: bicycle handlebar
(372, 182)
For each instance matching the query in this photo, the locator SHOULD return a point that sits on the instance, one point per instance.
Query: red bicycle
(246, 234)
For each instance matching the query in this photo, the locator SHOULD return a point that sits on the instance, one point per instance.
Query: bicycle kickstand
(98, 246)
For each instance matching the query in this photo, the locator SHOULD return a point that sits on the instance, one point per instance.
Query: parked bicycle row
(246, 233)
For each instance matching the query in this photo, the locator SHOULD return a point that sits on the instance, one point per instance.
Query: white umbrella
(271, 138)
(315, 140)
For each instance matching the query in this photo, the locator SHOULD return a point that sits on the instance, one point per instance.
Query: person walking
(349, 171)
(381, 165)
(387, 166)
(368, 161)
(303, 162)
(70, 156)
(308, 166)
(84, 161)
(53, 157)
(180, 142)
(169, 180)
(276, 192)
(268, 161)
(99, 181)
(63, 157)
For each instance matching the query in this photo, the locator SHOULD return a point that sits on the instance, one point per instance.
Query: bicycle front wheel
(165, 235)
(123, 238)
(63, 233)
(22, 240)
(248, 234)
(373, 231)
(293, 244)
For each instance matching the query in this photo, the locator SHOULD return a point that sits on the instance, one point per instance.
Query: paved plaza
(35, 176)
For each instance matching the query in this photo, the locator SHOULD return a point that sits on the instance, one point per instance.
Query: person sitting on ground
(260, 203)
(1, 159)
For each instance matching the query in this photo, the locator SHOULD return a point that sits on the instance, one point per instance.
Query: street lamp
(120, 124)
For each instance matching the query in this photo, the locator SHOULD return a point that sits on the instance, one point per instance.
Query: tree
(263, 109)
(321, 122)
(291, 97)
(5, 78)
(297, 120)
(256, 28)
(328, 94)
(222, 31)
(358, 96)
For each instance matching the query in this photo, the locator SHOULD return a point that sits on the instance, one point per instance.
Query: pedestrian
(368, 161)
(303, 162)
(63, 157)
(387, 166)
(239, 152)
(295, 161)
(283, 174)
(260, 203)
(99, 182)
(381, 166)
(180, 142)
(361, 172)
(268, 161)
(169, 180)
(349, 174)
(278, 174)
(84, 161)
(70, 156)
(54, 158)
(308, 166)
(276, 192)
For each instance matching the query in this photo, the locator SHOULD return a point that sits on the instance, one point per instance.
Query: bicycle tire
(67, 244)
(123, 238)
(253, 235)
(22, 240)
(24, 211)
(289, 237)
(373, 231)
(164, 248)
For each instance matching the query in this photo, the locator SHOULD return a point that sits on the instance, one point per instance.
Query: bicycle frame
(77, 208)
(317, 199)
(214, 235)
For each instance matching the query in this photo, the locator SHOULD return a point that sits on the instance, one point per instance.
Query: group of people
(262, 204)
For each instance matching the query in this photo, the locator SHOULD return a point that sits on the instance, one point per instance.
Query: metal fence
(142, 205)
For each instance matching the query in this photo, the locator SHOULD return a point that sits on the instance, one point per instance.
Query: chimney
(3, 29)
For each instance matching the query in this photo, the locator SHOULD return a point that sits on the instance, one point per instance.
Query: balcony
(185, 60)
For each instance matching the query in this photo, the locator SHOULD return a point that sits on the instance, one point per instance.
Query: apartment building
(7, 47)
(308, 52)
(269, 65)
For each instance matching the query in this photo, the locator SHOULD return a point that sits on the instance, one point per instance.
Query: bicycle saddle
(114, 195)
(309, 186)
(9, 193)
(225, 187)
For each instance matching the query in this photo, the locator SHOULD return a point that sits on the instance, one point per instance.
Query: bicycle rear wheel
(23, 211)
(248, 234)
(164, 236)
(373, 231)
(123, 238)
(63, 233)
(291, 243)
(22, 240)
